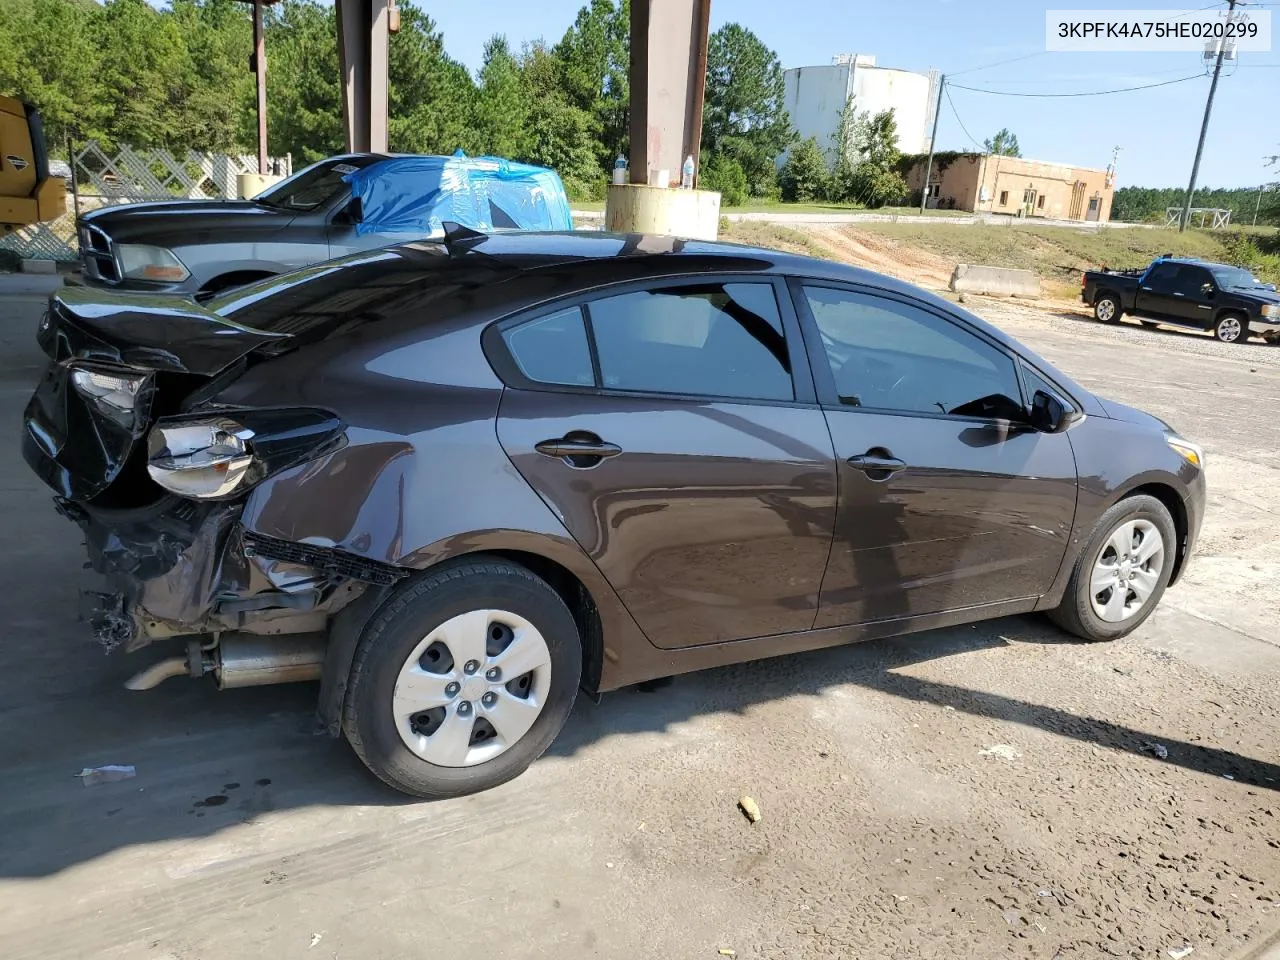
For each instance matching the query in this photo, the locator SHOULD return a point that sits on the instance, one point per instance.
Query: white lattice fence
(130, 176)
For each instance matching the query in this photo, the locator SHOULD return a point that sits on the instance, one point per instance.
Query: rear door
(1192, 302)
(945, 501)
(1155, 297)
(672, 425)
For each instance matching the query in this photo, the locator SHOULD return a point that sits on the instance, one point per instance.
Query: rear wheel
(1121, 573)
(1106, 308)
(463, 679)
(1231, 328)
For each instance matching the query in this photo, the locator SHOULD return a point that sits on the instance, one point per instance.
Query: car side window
(714, 339)
(1191, 280)
(553, 349)
(890, 355)
(1163, 274)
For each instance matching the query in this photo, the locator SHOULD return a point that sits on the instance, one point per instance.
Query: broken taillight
(213, 457)
(202, 459)
(113, 391)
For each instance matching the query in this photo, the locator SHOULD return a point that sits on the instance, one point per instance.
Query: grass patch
(1057, 254)
(778, 206)
(771, 236)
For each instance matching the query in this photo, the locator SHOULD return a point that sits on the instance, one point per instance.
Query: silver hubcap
(1106, 310)
(1126, 571)
(472, 688)
(1229, 329)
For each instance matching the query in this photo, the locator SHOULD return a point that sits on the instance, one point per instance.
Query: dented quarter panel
(416, 484)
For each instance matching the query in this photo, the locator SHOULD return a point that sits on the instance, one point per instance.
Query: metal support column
(363, 29)
(260, 69)
(668, 79)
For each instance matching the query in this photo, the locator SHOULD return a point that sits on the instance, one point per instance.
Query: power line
(998, 63)
(1082, 93)
(956, 114)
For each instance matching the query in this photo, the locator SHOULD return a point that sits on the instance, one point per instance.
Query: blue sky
(1155, 128)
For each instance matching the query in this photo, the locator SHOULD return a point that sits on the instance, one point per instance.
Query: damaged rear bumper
(183, 568)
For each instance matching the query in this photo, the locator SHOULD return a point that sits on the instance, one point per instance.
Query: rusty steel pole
(260, 69)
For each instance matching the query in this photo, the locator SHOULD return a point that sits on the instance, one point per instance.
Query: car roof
(666, 255)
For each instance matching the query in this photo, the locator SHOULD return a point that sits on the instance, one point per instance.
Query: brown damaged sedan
(459, 481)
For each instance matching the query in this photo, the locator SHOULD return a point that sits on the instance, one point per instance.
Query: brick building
(985, 183)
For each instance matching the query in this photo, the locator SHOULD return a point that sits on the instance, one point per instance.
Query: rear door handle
(870, 463)
(568, 447)
(1177, 294)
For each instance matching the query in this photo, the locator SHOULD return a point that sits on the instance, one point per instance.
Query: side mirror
(1206, 289)
(1049, 414)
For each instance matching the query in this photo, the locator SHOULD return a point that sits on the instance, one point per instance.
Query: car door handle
(571, 447)
(1177, 294)
(870, 463)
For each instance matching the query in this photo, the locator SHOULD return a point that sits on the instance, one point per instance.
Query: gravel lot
(990, 791)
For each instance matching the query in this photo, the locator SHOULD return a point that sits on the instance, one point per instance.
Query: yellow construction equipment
(27, 193)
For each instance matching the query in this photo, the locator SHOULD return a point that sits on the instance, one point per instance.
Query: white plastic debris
(315, 938)
(1158, 750)
(1001, 750)
(1177, 953)
(111, 773)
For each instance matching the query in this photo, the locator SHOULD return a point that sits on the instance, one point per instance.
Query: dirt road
(981, 792)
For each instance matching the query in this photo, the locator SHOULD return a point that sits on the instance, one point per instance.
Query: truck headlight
(140, 261)
(1271, 311)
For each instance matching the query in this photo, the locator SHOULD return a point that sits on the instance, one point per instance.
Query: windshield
(1236, 277)
(314, 186)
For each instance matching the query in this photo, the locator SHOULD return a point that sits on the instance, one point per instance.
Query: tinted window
(1234, 277)
(553, 349)
(1189, 280)
(894, 356)
(316, 185)
(720, 340)
(1163, 274)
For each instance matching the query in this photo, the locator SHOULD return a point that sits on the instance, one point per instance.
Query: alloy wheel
(472, 688)
(1106, 309)
(1229, 330)
(1126, 571)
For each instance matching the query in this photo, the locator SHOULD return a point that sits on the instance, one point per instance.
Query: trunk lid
(116, 363)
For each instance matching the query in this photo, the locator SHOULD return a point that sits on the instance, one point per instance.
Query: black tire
(1226, 325)
(1106, 308)
(1075, 614)
(410, 615)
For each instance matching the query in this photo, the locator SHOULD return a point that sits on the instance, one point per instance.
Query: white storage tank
(816, 96)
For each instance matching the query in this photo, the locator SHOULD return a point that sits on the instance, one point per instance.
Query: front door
(674, 430)
(946, 501)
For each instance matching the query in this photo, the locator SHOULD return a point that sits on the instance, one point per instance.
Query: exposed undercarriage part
(242, 660)
(256, 609)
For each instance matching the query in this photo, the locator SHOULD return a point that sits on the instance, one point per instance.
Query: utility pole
(1204, 124)
(933, 139)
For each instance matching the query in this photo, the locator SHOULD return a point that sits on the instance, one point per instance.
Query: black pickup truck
(1229, 301)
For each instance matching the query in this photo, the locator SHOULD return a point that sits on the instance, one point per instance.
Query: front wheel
(1107, 308)
(1121, 573)
(463, 679)
(1230, 328)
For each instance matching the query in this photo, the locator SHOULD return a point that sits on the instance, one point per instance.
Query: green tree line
(124, 72)
(1148, 204)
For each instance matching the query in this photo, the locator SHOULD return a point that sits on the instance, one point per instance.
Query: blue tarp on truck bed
(416, 194)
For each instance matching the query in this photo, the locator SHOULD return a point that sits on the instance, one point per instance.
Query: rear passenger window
(718, 340)
(553, 349)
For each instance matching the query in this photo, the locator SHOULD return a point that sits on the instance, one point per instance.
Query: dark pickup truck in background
(1228, 301)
